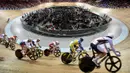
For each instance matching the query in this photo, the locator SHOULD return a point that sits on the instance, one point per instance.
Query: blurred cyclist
(99, 45)
(74, 45)
(36, 43)
(3, 37)
(53, 45)
(12, 39)
(26, 44)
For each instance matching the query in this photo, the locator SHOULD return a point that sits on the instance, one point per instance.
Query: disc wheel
(84, 54)
(66, 58)
(86, 65)
(18, 54)
(113, 64)
(12, 46)
(57, 53)
(39, 52)
(33, 55)
(46, 52)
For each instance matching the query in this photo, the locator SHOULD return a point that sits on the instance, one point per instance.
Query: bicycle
(86, 64)
(31, 53)
(56, 52)
(67, 57)
(10, 44)
(3, 41)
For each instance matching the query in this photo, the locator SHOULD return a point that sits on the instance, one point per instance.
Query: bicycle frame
(78, 54)
(75, 56)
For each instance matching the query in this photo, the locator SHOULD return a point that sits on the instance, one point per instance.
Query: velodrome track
(51, 64)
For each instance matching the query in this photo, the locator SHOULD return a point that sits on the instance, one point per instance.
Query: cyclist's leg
(94, 47)
(54, 48)
(51, 47)
(22, 44)
(72, 50)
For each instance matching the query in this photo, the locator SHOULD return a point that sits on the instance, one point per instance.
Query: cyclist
(74, 45)
(36, 43)
(26, 44)
(3, 37)
(12, 39)
(98, 45)
(53, 45)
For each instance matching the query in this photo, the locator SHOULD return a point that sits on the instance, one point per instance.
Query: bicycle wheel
(46, 52)
(0, 40)
(57, 53)
(39, 52)
(12, 46)
(86, 64)
(66, 58)
(113, 64)
(6, 44)
(81, 55)
(18, 54)
(3, 42)
(33, 55)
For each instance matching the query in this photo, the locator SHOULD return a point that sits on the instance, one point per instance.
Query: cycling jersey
(74, 44)
(99, 42)
(12, 38)
(52, 44)
(26, 43)
(2, 35)
(34, 42)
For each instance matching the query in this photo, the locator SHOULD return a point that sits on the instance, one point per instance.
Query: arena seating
(19, 4)
(110, 3)
(64, 18)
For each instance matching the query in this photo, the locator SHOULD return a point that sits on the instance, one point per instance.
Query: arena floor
(51, 64)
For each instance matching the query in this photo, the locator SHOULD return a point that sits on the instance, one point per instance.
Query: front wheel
(33, 55)
(57, 53)
(39, 52)
(12, 46)
(6, 44)
(3, 42)
(113, 64)
(66, 58)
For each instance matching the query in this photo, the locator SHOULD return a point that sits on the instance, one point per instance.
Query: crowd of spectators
(64, 18)
(64, 0)
(110, 3)
(20, 4)
(17, 4)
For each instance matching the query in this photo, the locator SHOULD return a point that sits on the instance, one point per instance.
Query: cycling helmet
(15, 37)
(4, 34)
(38, 40)
(110, 35)
(29, 40)
(81, 39)
(57, 42)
